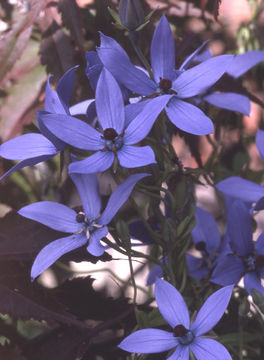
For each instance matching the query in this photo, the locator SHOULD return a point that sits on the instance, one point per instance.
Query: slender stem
(140, 55)
(166, 191)
(135, 254)
(171, 269)
(68, 269)
(132, 278)
(152, 233)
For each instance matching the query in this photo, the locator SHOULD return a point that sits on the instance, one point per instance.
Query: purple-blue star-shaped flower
(243, 189)
(185, 337)
(178, 84)
(32, 149)
(229, 100)
(207, 239)
(87, 226)
(116, 138)
(246, 190)
(248, 257)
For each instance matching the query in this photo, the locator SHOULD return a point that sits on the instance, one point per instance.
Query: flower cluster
(127, 132)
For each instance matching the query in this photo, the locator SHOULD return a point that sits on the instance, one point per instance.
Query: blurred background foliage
(39, 38)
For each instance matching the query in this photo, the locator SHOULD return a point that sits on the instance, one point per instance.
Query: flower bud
(131, 13)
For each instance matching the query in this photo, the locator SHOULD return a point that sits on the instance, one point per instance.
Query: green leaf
(155, 319)
(258, 299)
(235, 338)
(142, 319)
(116, 17)
(123, 233)
(147, 18)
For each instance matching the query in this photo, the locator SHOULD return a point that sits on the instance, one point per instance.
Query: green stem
(132, 278)
(135, 254)
(68, 269)
(140, 54)
(149, 229)
(166, 191)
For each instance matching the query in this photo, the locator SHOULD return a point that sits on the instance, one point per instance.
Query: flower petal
(93, 68)
(65, 86)
(52, 100)
(196, 268)
(59, 144)
(119, 197)
(87, 186)
(98, 162)
(138, 231)
(54, 250)
(188, 117)
(95, 247)
(212, 311)
(251, 281)
(209, 349)
(260, 142)
(109, 103)
(181, 353)
(149, 341)
(206, 230)
(188, 61)
(52, 214)
(132, 110)
(27, 146)
(139, 128)
(239, 188)
(162, 51)
(230, 101)
(81, 107)
(243, 62)
(239, 228)
(27, 162)
(228, 271)
(73, 131)
(197, 79)
(155, 272)
(132, 156)
(171, 304)
(117, 62)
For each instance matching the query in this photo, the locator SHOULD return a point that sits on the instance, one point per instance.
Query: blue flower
(93, 70)
(207, 239)
(185, 336)
(118, 135)
(178, 84)
(32, 149)
(232, 101)
(87, 226)
(248, 257)
(245, 190)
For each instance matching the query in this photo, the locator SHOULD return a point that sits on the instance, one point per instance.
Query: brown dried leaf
(22, 95)
(14, 42)
(71, 18)
(56, 50)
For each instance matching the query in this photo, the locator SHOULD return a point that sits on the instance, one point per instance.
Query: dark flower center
(201, 245)
(185, 336)
(165, 84)
(80, 217)
(89, 225)
(113, 141)
(250, 262)
(179, 331)
(110, 134)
